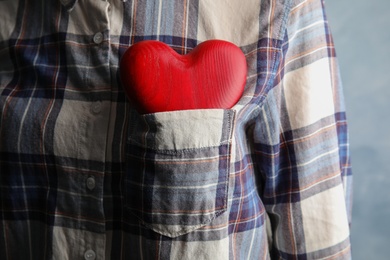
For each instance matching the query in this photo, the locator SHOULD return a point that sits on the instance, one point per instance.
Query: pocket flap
(179, 130)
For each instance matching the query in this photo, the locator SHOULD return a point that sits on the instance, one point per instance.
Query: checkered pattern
(175, 190)
(268, 179)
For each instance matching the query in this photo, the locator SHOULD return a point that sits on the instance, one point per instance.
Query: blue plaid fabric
(84, 176)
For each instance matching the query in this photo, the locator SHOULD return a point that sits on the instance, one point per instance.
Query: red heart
(157, 79)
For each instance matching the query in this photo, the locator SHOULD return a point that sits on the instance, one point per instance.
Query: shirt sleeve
(301, 144)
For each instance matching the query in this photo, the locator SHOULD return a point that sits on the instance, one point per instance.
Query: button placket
(93, 122)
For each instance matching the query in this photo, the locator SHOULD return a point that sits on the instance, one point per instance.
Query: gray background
(361, 31)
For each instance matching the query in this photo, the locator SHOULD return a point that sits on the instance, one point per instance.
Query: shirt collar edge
(69, 4)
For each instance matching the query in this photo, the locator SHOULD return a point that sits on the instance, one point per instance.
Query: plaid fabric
(173, 183)
(82, 175)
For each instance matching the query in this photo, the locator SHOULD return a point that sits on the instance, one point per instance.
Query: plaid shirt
(83, 176)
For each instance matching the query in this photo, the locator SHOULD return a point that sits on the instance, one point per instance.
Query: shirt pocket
(178, 168)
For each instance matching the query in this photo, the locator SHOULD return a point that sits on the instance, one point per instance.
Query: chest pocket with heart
(179, 142)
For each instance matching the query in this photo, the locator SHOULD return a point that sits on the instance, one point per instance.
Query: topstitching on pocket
(178, 168)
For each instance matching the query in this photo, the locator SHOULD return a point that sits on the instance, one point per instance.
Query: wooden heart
(157, 79)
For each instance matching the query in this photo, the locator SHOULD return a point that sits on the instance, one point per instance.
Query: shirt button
(96, 107)
(91, 183)
(90, 255)
(98, 38)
